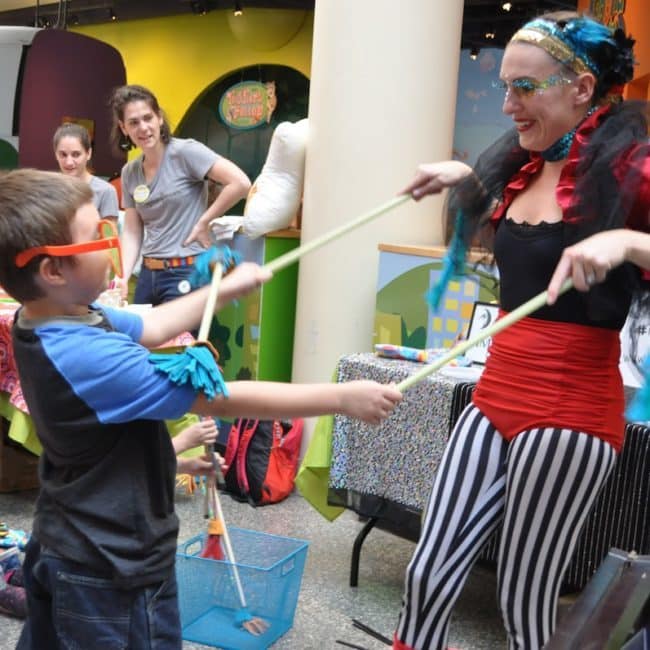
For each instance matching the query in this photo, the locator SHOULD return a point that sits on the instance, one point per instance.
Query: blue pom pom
(202, 267)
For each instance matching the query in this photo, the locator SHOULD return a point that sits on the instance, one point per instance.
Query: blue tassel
(202, 274)
(453, 264)
(639, 409)
(195, 366)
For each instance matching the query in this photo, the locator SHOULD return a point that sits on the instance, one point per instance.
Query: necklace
(559, 150)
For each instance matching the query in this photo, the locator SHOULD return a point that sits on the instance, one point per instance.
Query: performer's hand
(432, 178)
(589, 261)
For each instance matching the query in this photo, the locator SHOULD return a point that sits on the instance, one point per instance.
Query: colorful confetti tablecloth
(373, 468)
(379, 460)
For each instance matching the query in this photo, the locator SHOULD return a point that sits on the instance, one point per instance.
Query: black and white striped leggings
(541, 485)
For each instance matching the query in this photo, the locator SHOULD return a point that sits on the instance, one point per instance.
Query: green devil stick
(289, 258)
(509, 319)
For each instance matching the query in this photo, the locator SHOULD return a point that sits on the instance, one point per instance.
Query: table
(385, 472)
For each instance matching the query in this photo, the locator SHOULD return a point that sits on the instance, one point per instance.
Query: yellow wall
(178, 57)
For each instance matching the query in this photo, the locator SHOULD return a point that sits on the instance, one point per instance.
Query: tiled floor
(327, 604)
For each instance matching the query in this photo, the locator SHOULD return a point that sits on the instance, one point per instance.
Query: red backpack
(262, 456)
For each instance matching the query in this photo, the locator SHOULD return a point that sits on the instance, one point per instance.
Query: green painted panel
(278, 315)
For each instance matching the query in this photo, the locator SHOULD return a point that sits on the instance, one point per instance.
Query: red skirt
(546, 374)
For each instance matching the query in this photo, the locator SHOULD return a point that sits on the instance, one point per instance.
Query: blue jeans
(156, 287)
(73, 608)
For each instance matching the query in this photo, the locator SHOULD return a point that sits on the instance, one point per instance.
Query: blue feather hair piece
(453, 263)
(639, 409)
(224, 255)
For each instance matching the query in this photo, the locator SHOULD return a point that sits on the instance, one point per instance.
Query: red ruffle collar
(567, 182)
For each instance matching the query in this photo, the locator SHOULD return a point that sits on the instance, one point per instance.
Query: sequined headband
(548, 36)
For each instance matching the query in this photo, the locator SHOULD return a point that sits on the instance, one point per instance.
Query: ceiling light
(473, 53)
(506, 6)
(490, 34)
(238, 10)
(111, 14)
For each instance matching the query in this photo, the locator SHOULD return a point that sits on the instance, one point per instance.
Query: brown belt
(156, 264)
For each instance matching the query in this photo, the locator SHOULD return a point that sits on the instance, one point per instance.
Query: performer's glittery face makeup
(537, 95)
(523, 87)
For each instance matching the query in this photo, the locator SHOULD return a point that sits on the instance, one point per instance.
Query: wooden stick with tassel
(509, 319)
(294, 255)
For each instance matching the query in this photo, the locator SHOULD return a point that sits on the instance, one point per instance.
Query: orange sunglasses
(108, 241)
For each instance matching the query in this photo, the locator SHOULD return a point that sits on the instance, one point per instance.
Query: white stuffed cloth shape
(274, 198)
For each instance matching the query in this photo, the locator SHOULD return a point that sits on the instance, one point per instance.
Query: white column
(382, 100)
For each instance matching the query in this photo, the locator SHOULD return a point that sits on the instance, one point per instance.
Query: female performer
(164, 194)
(534, 448)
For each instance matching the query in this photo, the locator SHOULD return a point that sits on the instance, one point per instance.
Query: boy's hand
(243, 279)
(197, 466)
(368, 400)
(203, 432)
(200, 465)
(122, 284)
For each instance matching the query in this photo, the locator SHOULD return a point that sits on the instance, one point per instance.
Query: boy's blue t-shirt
(108, 467)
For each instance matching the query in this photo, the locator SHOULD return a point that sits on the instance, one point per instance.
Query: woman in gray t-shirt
(73, 151)
(164, 194)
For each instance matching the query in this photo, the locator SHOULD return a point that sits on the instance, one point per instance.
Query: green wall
(180, 57)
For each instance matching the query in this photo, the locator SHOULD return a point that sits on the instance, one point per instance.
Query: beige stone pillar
(382, 100)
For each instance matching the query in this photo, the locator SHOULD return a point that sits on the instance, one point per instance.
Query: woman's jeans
(157, 287)
(73, 608)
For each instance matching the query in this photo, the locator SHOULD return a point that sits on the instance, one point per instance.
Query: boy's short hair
(36, 208)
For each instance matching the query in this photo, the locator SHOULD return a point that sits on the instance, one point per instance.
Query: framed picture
(483, 315)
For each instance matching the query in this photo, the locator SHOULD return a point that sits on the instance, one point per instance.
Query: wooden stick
(289, 258)
(211, 302)
(217, 512)
(230, 555)
(509, 319)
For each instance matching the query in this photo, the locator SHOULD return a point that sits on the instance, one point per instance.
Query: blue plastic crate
(270, 569)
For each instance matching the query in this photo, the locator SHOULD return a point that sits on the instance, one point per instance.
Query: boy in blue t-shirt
(99, 569)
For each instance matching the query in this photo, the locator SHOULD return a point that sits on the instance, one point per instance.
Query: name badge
(141, 193)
